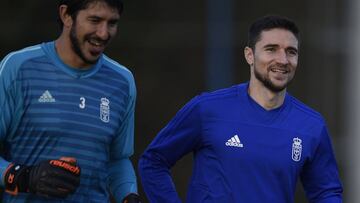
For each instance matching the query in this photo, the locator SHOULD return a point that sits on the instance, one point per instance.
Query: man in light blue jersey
(67, 113)
(251, 142)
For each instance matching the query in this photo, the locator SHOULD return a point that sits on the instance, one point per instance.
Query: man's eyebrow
(271, 45)
(276, 45)
(99, 17)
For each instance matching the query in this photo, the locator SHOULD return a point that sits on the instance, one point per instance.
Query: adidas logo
(234, 142)
(46, 97)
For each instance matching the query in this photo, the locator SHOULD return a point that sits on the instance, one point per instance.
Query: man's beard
(268, 83)
(75, 42)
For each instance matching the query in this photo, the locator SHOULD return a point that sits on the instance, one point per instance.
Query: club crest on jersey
(105, 110)
(296, 149)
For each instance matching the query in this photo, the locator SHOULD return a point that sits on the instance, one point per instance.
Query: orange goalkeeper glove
(51, 178)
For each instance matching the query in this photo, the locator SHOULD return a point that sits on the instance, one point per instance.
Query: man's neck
(67, 55)
(264, 97)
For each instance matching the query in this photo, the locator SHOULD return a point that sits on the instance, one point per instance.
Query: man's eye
(292, 52)
(113, 23)
(94, 20)
(270, 49)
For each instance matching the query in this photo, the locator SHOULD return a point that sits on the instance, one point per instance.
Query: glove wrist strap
(16, 178)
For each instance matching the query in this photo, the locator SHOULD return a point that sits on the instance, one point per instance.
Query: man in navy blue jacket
(252, 141)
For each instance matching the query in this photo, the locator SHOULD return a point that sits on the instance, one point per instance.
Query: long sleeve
(320, 176)
(179, 137)
(10, 102)
(122, 178)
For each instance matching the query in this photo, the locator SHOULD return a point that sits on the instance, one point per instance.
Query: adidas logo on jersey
(46, 97)
(234, 142)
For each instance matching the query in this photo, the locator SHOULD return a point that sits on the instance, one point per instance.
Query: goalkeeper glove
(50, 178)
(132, 198)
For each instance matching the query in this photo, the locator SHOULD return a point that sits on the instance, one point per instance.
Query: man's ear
(65, 17)
(249, 55)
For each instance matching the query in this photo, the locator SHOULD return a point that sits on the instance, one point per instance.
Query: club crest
(105, 110)
(296, 149)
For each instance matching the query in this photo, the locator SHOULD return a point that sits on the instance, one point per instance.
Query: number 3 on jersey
(82, 103)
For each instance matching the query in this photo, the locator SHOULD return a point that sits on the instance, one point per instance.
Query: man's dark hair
(267, 23)
(74, 6)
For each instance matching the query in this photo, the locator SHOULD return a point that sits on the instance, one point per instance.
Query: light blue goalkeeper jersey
(49, 110)
(243, 153)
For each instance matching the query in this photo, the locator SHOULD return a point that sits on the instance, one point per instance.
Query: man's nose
(282, 57)
(103, 31)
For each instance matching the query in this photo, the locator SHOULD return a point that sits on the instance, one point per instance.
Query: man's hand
(132, 198)
(51, 178)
